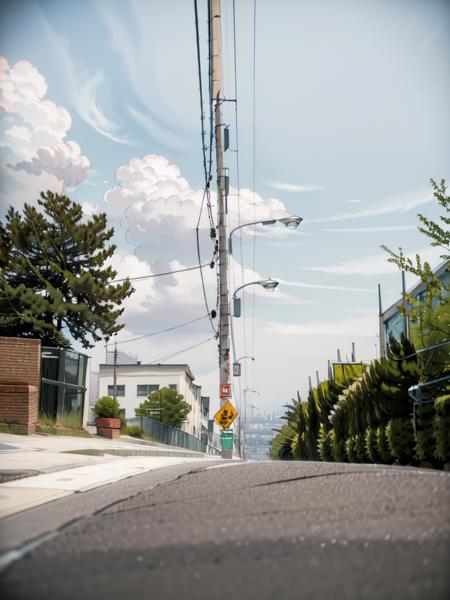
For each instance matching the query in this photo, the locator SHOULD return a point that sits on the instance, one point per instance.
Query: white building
(135, 382)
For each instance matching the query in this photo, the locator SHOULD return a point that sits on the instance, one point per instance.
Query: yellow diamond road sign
(226, 415)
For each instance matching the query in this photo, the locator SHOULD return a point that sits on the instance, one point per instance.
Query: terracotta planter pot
(109, 428)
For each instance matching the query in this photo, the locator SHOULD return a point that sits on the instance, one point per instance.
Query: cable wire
(254, 180)
(160, 274)
(164, 358)
(162, 330)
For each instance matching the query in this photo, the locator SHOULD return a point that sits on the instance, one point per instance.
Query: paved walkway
(61, 471)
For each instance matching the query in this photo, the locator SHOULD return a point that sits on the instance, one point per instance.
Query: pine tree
(53, 278)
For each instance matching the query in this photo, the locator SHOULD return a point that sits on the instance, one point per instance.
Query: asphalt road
(256, 530)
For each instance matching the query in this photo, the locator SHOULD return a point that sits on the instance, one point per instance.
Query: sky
(342, 119)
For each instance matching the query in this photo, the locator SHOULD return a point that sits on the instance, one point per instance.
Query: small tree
(53, 278)
(430, 315)
(165, 405)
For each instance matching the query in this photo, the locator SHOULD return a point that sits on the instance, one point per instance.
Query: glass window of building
(173, 386)
(120, 390)
(147, 389)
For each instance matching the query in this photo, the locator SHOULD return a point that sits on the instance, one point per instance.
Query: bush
(400, 438)
(371, 444)
(382, 446)
(135, 431)
(441, 430)
(350, 449)
(360, 448)
(425, 442)
(325, 445)
(338, 447)
(107, 407)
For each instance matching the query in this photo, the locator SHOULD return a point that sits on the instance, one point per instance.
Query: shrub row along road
(256, 530)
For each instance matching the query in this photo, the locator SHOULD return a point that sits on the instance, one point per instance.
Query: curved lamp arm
(268, 284)
(265, 222)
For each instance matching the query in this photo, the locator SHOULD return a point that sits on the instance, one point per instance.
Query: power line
(162, 330)
(164, 358)
(207, 174)
(160, 274)
(200, 85)
(236, 122)
(201, 269)
(254, 180)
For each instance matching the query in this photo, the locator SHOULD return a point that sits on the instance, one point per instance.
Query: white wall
(133, 375)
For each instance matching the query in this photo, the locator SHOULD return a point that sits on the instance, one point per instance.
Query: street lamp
(267, 284)
(237, 365)
(291, 222)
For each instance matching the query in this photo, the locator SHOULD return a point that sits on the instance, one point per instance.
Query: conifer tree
(53, 277)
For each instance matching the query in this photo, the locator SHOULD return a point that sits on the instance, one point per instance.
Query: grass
(61, 431)
(5, 428)
(67, 424)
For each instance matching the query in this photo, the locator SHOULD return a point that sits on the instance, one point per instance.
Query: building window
(120, 390)
(173, 386)
(147, 389)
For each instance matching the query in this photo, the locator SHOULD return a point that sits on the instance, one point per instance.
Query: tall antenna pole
(216, 98)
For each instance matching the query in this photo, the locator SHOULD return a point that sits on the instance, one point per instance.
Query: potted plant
(107, 412)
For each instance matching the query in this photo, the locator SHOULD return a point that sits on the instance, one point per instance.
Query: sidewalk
(39, 468)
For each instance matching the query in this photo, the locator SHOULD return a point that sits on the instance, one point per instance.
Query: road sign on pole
(225, 390)
(226, 414)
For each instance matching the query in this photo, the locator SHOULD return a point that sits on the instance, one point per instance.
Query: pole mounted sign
(225, 390)
(225, 416)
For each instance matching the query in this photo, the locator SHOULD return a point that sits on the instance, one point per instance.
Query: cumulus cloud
(160, 302)
(34, 154)
(159, 210)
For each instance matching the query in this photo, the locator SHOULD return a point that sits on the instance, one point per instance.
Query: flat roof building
(135, 382)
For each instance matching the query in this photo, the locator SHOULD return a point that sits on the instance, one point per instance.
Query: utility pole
(215, 52)
(115, 371)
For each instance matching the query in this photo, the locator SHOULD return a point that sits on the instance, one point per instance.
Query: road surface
(271, 530)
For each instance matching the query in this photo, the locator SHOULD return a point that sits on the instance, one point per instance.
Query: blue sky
(351, 122)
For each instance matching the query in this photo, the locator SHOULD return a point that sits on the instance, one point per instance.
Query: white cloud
(384, 206)
(293, 187)
(83, 89)
(34, 153)
(159, 210)
(375, 265)
(373, 229)
(317, 286)
(355, 327)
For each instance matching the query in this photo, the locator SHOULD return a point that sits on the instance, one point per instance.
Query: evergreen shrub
(442, 428)
(400, 439)
(350, 449)
(135, 431)
(107, 407)
(371, 445)
(425, 441)
(382, 446)
(325, 445)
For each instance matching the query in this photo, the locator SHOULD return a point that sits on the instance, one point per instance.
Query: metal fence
(166, 434)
